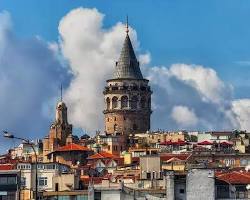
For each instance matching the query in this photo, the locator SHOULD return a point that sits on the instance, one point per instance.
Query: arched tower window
(124, 102)
(115, 127)
(143, 102)
(114, 102)
(134, 127)
(149, 103)
(134, 101)
(108, 103)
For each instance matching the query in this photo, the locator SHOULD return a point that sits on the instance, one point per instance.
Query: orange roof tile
(102, 155)
(72, 147)
(6, 167)
(166, 157)
(234, 177)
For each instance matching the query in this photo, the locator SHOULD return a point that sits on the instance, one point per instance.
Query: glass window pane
(11, 180)
(3, 180)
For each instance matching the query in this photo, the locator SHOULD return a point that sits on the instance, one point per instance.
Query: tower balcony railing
(122, 89)
(129, 109)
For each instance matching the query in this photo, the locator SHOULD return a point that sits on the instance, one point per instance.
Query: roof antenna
(127, 28)
(61, 93)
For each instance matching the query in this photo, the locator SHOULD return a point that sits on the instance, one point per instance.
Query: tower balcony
(127, 110)
(125, 89)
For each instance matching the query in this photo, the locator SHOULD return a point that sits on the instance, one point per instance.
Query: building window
(149, 103)
(115, 119)
(229, 162)
(39, 166)
(42, 181)
(11, 180)
(134, 127)
(23, 181)
(154, 177)
(115, 127)
(124, 102)
(115, 148)
(143, 102)
(133, 102)
(114, 102)
(3, 180)
(243, 162)
(108, 103)
(148, 175)
(7, 180)
(182, 191)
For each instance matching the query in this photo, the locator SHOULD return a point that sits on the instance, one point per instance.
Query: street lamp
(6, 134)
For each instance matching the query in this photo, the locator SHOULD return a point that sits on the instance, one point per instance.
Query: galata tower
(127, 95)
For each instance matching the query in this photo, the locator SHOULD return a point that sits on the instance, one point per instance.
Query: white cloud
(184, 116)
(195, 87)
(241, 108)
(204, 80)
(91, 51)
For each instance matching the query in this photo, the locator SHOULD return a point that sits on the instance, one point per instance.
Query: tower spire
(127, 27)
(127, 66)
(61, 93)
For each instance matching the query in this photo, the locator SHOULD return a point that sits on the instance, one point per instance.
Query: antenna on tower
(61, 92)
(127, 27)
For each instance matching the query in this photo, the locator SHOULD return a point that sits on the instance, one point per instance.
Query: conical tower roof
(127, 65)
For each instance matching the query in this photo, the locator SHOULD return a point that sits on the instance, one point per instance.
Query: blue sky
(214, 34)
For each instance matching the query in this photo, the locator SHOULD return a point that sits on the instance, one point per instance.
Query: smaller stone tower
(60, 132)
(127, 95)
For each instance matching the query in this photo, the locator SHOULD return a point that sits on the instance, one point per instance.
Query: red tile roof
(226, 144)
(166, 157)
(205, 143)
(6, 167)
(234, 177)
(102, 155)
(72, 147)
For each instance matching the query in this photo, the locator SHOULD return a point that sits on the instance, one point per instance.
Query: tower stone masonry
(60, 132)
(127, 96)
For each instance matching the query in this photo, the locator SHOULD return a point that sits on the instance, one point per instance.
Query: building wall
(152, 165)
(204, 137)
(127, 158)
(200, 184)
(125, 122)
(66, 182)
(135, 116)
(174, 166)
(114, 144)
(111, 195)
(69, 158)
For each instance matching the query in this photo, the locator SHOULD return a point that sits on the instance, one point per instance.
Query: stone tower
(60, 132)
(127, 95)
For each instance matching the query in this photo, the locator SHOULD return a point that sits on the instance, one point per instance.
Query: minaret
(61, 112)
(60, 130)
(127, 95)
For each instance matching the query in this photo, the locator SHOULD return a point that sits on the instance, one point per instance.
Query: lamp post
(6, 134)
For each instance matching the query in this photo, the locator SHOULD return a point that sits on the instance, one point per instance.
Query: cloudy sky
(196, 56)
